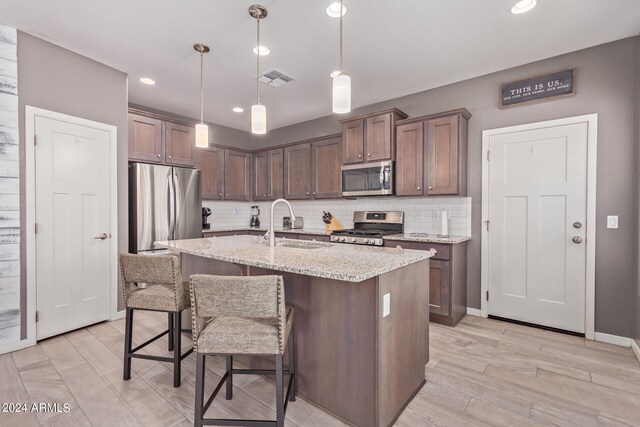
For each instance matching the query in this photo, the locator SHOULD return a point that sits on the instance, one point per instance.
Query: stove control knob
(341, 239)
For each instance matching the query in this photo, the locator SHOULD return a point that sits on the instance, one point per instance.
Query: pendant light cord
(201, 88)
(341, 36)
(258, 64)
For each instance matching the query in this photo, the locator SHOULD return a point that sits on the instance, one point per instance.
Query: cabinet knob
(359, 155)
(307, 193)
(418, 188)
(314, 193)
(169, 157)
(219, 194)
(159, 155)
(430, 188)
(369, 154)
(264, 195)
(226, 195)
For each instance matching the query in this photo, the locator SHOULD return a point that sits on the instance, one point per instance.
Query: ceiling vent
(275, 78)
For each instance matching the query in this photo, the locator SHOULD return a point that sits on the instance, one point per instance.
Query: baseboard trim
(612, 339)
(119, 315)
(636, 349)
(474, 312)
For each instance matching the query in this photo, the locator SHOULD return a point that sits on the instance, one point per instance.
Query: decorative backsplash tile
(422, 214)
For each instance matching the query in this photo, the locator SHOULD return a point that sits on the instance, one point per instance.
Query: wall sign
(560, 83)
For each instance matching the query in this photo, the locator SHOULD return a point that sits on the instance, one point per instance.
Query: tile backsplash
(422, 214)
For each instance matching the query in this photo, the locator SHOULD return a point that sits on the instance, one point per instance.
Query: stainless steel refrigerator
(165, 203)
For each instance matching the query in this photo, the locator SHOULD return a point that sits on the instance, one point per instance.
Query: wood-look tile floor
(482, 372)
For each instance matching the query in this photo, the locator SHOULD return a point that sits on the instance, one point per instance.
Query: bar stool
(166, 292)
(241, 316)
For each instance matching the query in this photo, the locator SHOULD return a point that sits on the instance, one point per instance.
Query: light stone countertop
(431, 238)
(349, 263)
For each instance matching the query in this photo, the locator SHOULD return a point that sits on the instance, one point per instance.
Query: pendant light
(341, 83)
(202, 130)
(258, 111)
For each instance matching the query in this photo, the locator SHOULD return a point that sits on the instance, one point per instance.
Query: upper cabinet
(210, 161)
(297, 171)
(260, 175)
(146, 142)
(153, 140)
(370, 137)
(431, 155)
(325, 168)
(180, 141)
(276, 174)
(237, 175)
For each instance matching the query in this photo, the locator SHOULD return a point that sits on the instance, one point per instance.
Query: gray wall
(637, 325)
(59, 80)
(606, 80)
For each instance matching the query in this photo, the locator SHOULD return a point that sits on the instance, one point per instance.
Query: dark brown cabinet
(325, 168)
(146, 142)
(237, 175)
(371, 137)
(276, 174)
(353, 141)
(446, 142)
(447, 279)
(297, 171)
(437, 166)
(211, 162)
(409, 159)
(180, 141)
(261, 175)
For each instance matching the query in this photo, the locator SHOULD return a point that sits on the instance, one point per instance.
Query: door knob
(577, 224)
(577, 239)
(102, 236)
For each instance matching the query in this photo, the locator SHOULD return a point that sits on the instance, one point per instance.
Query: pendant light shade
(202, 130)
(258, 119)
(202, 135)
(341, 94)
(341, 82)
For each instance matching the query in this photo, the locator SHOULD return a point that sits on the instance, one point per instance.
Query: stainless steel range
(370, 227)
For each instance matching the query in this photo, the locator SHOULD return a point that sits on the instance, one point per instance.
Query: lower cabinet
(447, 280)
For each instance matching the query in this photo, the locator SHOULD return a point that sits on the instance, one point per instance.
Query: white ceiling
(391, 47)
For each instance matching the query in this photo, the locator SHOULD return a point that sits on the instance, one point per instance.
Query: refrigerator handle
(171, 207)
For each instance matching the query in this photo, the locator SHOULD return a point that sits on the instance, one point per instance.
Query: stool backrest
(153, 269)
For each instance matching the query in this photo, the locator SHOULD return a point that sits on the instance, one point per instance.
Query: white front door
(537, 212)
(72, 217)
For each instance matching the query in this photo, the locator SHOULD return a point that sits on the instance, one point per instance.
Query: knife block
(333, 225)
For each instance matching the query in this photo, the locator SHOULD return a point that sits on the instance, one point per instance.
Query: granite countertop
(315, 231)
(431, 238)
(408, 237)
(350, 263)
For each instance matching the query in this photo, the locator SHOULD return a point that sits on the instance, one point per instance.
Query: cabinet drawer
(224, 233)
(443, 251)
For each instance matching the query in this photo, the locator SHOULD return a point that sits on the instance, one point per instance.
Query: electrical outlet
(386, 305)
(612, 221)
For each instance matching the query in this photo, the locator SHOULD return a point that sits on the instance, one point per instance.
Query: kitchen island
(361, 317)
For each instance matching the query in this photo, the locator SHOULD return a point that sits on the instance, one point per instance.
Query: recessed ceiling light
(335, 73)
(147, 81)
(238, 109)
(334, 10)
(523, 6)
(262, 49)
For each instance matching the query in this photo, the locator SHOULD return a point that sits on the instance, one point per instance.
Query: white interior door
(537, 215)
(72, 217)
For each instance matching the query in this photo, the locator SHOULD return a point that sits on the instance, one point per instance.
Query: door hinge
(37, 316)
(35, 139)
(36, 227)
(488, 156)
(487, 224)
(487, 295)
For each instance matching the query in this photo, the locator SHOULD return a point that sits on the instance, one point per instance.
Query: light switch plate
(612, 221)
(386, 305)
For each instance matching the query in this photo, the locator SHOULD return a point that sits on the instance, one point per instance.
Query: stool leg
(170, 336)
(177, 350)
(279, 393)
(229, 377)
(128, 330)
(292, 365)
(200, 366)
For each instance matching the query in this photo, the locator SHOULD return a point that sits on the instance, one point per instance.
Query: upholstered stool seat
(242, 316)
(163, 291)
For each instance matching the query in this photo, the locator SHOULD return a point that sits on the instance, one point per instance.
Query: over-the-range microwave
(368, 179)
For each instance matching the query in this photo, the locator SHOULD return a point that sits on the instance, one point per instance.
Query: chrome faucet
(272, 234)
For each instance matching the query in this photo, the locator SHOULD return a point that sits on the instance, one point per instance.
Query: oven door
(369, 179)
